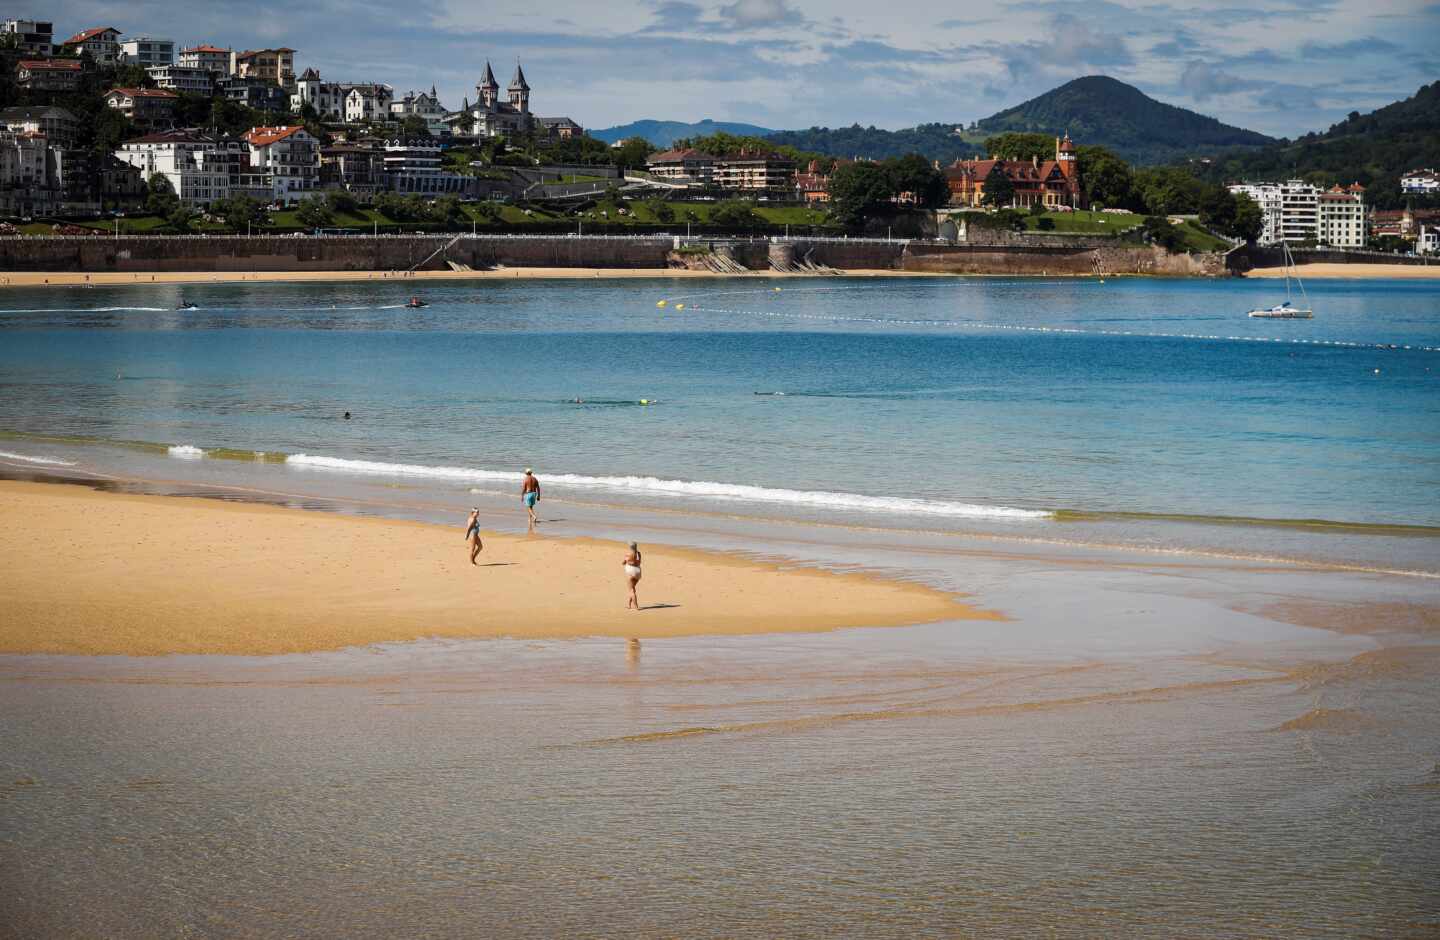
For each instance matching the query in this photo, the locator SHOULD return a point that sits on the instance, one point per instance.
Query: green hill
(1100, 110)
(1094, 110)
(1373, 149)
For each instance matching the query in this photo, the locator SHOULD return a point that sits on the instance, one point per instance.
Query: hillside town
(102, 122)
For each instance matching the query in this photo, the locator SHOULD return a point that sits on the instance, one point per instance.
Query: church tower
(519, 91)
(488, 89)
(1065, 159)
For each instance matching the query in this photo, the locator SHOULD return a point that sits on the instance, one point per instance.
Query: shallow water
(1152, 744)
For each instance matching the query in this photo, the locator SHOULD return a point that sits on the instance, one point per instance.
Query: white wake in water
(701, 490)
(47, 461)
(186, 452)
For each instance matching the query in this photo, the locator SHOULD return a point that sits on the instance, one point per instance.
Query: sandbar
(1384, 271)
(99, 573)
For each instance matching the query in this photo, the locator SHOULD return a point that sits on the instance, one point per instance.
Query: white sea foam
(47, 461)
(685, 489)
(186, 452)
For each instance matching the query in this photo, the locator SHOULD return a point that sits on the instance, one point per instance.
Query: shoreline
(1330, 270)
(123, 279)
(154, 575)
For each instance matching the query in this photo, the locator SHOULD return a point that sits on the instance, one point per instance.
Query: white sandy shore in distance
(1390, 271)
(88, 572)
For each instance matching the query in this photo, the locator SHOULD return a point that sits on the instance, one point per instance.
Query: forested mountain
(1096, 110)
(1373, 149)
(1100, 110)
(663, 133)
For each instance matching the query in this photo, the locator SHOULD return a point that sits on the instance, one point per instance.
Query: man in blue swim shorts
(530, 494)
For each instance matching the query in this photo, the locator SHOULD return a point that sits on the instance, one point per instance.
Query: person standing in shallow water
(530, 494)
(632, 574)
(472, 533)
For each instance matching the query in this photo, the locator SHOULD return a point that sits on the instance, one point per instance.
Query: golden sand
(1390, 271)
(112, 278)
(101, 573)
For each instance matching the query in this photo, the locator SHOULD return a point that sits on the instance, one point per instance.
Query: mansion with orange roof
(1048, 183)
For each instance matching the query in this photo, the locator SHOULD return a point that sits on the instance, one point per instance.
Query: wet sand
(1381, 271)
(113, 278)
(103, 573)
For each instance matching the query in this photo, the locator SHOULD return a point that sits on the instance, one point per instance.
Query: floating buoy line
(1013, 327)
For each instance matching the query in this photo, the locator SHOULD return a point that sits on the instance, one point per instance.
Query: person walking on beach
(632, 574)
(472, 533)
(530, 494)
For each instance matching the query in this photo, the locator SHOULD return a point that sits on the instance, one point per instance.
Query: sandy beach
(102, 573)
(1391, 271)
(115, 279)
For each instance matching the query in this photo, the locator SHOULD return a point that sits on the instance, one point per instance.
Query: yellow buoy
(679, 306)
(660, 304)
(777, 288)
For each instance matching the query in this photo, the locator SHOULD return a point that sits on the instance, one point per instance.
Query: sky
(1281, 67)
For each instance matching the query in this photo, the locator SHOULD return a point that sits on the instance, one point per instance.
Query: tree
(914, 174)
(341, 202)
(1168, 190)
(1249, 219)
(1105, 179)
(632, 152)
(487, 210)
(735, 213)
(1158, 230)
(161, 199)
(180, 218)
(999, 191)
(239, 212)
(313, 213)
(415, 127)
(447, 211)
(661, 210)
(1017, 145)
(858, 190)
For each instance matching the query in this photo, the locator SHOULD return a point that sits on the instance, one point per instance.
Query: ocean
(1133, 411)
(1208, 712)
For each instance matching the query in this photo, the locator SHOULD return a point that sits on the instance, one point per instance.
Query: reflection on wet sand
(424, 788)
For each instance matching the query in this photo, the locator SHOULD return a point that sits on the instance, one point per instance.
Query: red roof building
(1048, 183)
(151, 108)
(49, 74)
(102, 42)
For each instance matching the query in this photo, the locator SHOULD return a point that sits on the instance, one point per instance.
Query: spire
(488, 81)
(433, 96)
(518, 82)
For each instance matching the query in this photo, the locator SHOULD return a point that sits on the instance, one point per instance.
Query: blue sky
(1282, 67)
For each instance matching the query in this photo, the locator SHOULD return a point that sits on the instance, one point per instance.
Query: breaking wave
(700, 489)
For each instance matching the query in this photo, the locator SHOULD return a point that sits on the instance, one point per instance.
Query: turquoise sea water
(983, 404)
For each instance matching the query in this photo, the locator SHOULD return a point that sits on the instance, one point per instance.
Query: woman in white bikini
(632, 573)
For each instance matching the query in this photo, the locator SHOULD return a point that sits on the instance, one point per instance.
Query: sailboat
(1286, 310)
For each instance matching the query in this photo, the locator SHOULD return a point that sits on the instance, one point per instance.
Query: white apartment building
(368, 103)
(195, 164)
(1342, 220)
(754, 172)
(690, 167)
(1295, 211)
(180, 78)
(1428, 242)
(32, 37)
(208, 58)
(146, 51)
(290, 155)
(414, 167)
(1424, 182)
(29, 174)
(101, 42)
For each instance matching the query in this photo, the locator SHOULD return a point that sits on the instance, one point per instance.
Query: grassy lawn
(1085, 223)
(1197, 239)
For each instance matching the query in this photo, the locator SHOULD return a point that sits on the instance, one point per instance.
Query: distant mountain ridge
(665, 133)
(1373, 149)
(1094, 110)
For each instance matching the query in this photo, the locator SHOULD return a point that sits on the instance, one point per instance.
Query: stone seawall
(434, 252)
(334, 253)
